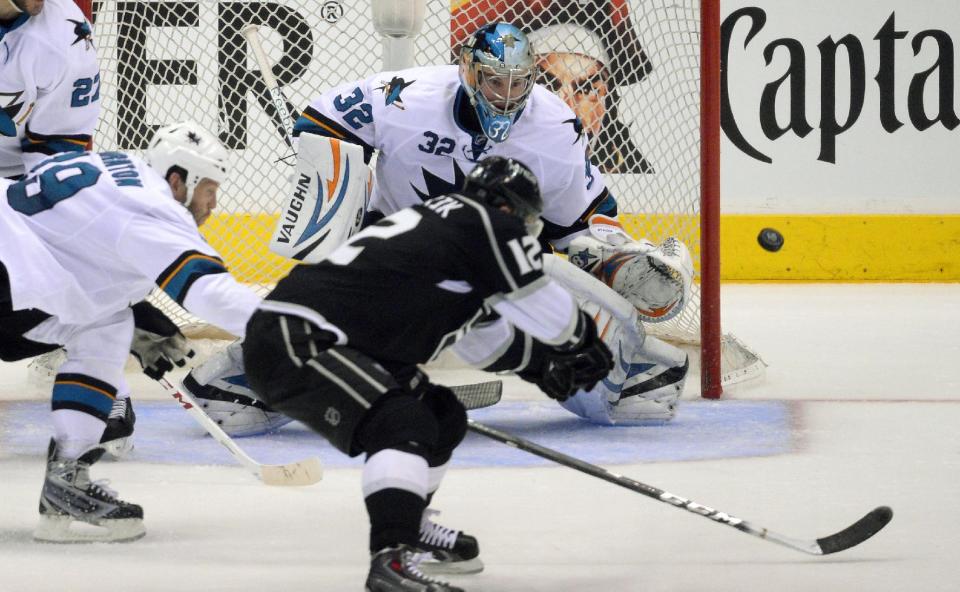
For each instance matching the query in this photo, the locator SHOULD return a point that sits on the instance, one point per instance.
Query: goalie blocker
(328, 197)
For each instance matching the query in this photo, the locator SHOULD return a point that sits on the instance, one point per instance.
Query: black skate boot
(117, 439)
(69, 496)
(394, 569)
(445, 550)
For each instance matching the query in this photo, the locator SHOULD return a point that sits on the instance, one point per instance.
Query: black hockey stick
(480, 394)
(284, 119)
(850, 536)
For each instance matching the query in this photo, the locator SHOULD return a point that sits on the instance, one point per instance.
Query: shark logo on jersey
(83, 32)
(392, 91)
(478, 147)
(582, 259)
(437, 186)
(577, 128)
(193, 138)
(10, 107)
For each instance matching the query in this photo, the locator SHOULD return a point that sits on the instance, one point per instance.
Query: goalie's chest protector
(424, 151)
(404, 288)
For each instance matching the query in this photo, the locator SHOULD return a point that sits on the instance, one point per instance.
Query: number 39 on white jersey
(85, 235)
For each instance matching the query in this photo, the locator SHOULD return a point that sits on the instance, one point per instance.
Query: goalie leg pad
(220, 387)
(229, 401)
(644, 386)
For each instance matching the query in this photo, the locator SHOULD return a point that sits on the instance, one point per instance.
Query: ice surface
(859, 408)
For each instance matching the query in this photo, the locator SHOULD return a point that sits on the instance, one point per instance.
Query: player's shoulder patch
(393, 90)
(62, 25)
(414, 88)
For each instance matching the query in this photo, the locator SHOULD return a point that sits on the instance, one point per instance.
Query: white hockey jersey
(412, 118)
(49, 86)
(85, 235)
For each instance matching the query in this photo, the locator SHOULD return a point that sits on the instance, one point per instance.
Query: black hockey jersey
(403, 289)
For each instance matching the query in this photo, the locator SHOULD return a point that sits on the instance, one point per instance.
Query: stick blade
(857, 532)
(298, 474)
(481, 394)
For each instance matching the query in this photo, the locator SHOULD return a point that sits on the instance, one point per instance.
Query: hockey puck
(770, 239)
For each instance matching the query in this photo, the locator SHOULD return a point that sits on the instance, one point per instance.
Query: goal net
(630, 70)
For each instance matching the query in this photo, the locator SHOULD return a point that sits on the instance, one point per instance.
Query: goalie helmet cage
(643, 77)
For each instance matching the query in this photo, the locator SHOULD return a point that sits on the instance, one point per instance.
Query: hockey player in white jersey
(81, 237)
(49, 83)
(430, 126)
(50, 99)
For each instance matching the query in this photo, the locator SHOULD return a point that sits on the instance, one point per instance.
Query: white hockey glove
(656, 279)
(157, 342)
(220, 387)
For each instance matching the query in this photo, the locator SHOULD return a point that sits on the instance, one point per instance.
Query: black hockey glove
(565, 370)
(157, 342)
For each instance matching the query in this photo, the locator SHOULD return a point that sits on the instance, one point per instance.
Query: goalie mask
(189, 150)
(498, 181)
(497, 70)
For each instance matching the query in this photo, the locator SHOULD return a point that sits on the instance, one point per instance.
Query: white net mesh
(628, 68)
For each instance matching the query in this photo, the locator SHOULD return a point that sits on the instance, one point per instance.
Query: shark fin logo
(83, 32)
(392, 90)
(10, 107)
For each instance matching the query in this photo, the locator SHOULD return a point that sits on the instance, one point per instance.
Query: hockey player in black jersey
(337, 345)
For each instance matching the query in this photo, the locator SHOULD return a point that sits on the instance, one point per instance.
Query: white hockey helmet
(188, 149)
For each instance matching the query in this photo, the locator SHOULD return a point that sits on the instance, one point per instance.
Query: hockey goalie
(488, 101)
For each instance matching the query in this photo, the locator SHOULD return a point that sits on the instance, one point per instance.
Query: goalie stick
(252, 35)
(850, 536)
(481, 394)
(304, 472)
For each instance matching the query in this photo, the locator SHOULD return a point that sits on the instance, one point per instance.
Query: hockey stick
(304, 472)
(252, 35)
(850, 536)
(481, 394)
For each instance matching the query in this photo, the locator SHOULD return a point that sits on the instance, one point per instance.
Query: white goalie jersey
(415, 119)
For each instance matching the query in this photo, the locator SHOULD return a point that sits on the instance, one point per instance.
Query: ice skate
(445, 550)
(395, 569)
(70, 498)
(117, 439)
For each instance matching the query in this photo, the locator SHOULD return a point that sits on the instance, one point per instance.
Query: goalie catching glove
(656, 279)
(157, 343)
(563, 370)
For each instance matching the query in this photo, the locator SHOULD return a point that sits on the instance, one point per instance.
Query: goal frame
(710, 101)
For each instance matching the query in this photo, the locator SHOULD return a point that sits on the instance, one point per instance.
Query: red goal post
(642, 75)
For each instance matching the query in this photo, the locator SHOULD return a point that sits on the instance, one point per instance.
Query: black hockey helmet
(498, 181)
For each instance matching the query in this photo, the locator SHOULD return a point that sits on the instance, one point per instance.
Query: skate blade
(66, 529)
(450, 568)
(120, 448)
